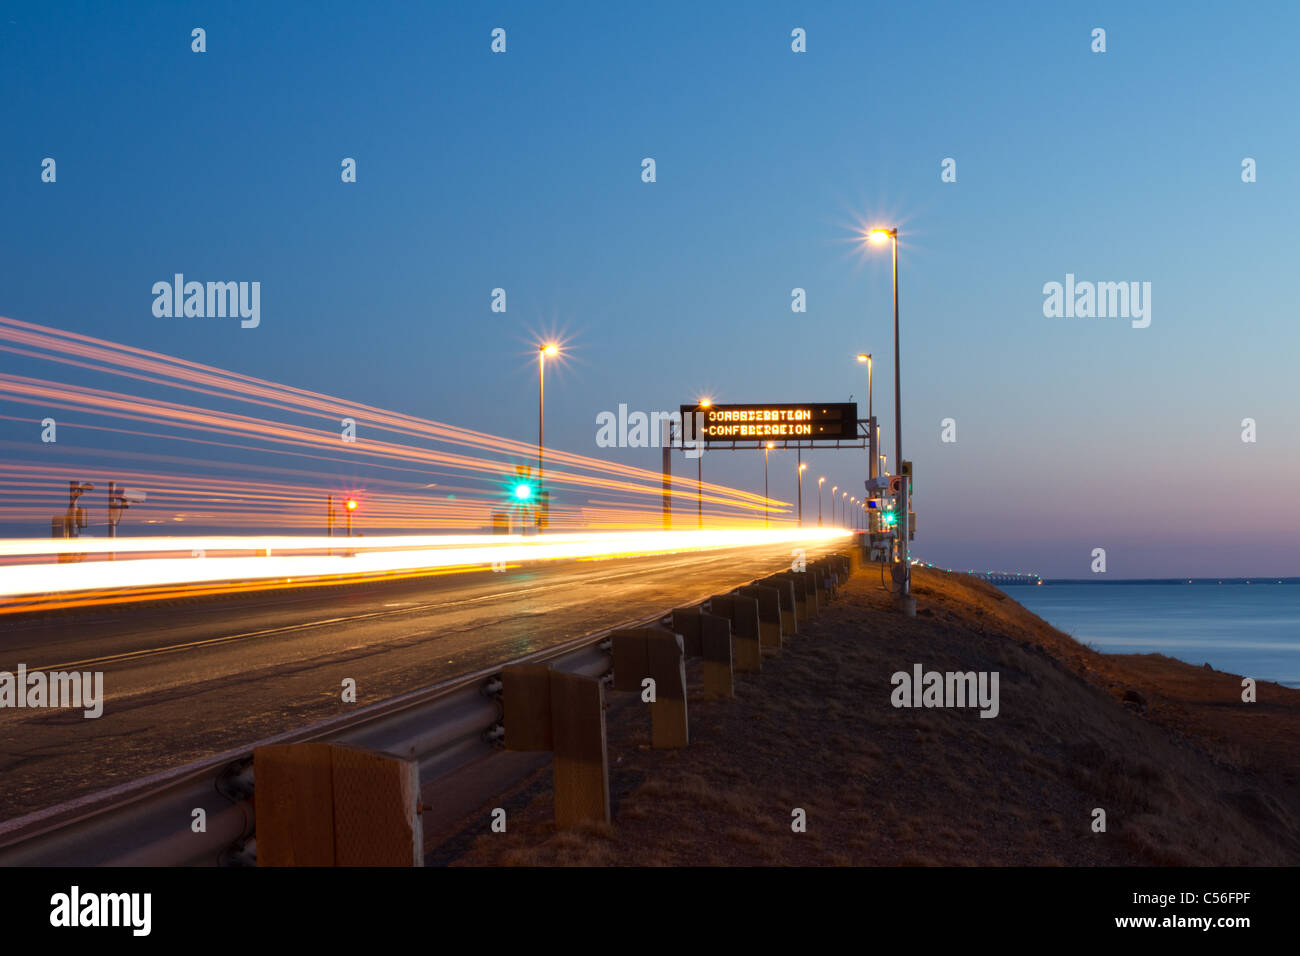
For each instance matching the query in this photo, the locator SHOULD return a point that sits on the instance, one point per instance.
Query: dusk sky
(523, 171)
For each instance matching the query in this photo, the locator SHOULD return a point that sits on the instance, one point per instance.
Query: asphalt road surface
(188, 679)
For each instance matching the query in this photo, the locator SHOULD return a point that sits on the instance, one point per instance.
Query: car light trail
(372, 557)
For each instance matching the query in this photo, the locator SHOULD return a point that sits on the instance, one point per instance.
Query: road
(189, 679)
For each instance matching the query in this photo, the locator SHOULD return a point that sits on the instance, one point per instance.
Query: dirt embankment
(1185, 771)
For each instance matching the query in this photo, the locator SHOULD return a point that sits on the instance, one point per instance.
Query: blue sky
(522, 171)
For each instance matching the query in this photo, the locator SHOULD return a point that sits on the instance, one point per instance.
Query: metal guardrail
(150, 822)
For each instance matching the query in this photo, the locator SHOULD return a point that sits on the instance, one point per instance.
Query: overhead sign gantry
(787, 425)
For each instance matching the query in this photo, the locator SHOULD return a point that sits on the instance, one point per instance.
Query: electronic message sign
(827, 421)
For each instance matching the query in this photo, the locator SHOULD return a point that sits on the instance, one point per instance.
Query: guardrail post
(832, 574)
(743, 612)
(686, 622)
(707, 636)
(809, 592)
(785, 587)
(715, 640)
(547, 709)
(800, 595)
(322, 804)
(658, 654)
(769, 613)
(581, 751)
(526, 707)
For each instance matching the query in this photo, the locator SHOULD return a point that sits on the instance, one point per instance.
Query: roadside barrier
(379, 756)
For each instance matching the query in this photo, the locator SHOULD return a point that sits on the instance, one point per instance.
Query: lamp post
(904, 577)
(866, 358)
(834, 488)
(802, 466)
(766, 522)
(874, 442)
(543, 351)
(819, 501)
(699, 473)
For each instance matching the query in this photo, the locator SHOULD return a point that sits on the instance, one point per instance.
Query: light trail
(99, 355)
(412, 476)
(366, 558)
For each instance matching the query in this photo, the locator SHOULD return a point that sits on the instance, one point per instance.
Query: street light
(819, 501)
(903, 576)
(766, 449)
(699, 471)
(834, 488)
(548, 349)
(802, 468)
(350, 506)
(866, 357)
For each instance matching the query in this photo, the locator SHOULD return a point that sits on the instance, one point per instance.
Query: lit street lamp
(699, 472)
(819, 501)
(866, 357)
(766, 522)
(834, 488)
(802, 467)
(903, 576)
(549, 349)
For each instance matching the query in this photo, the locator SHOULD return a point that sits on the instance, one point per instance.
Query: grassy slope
(1187, 773)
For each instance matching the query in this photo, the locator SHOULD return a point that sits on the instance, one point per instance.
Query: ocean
(1252, 629)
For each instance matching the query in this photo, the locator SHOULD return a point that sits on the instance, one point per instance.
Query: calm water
(1249, 629)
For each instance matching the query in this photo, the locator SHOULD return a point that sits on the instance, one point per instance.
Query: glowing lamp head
(550, 348)
(878, 236)
(523, 491)
(820, 480)
(864, 357)
(350, 504)
(803, 467)
(706, 403)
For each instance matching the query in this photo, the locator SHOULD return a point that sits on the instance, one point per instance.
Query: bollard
(547, 709)
(769, 613)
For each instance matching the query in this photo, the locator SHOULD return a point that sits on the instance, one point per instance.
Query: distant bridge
(997, 577)
(1007, 577)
